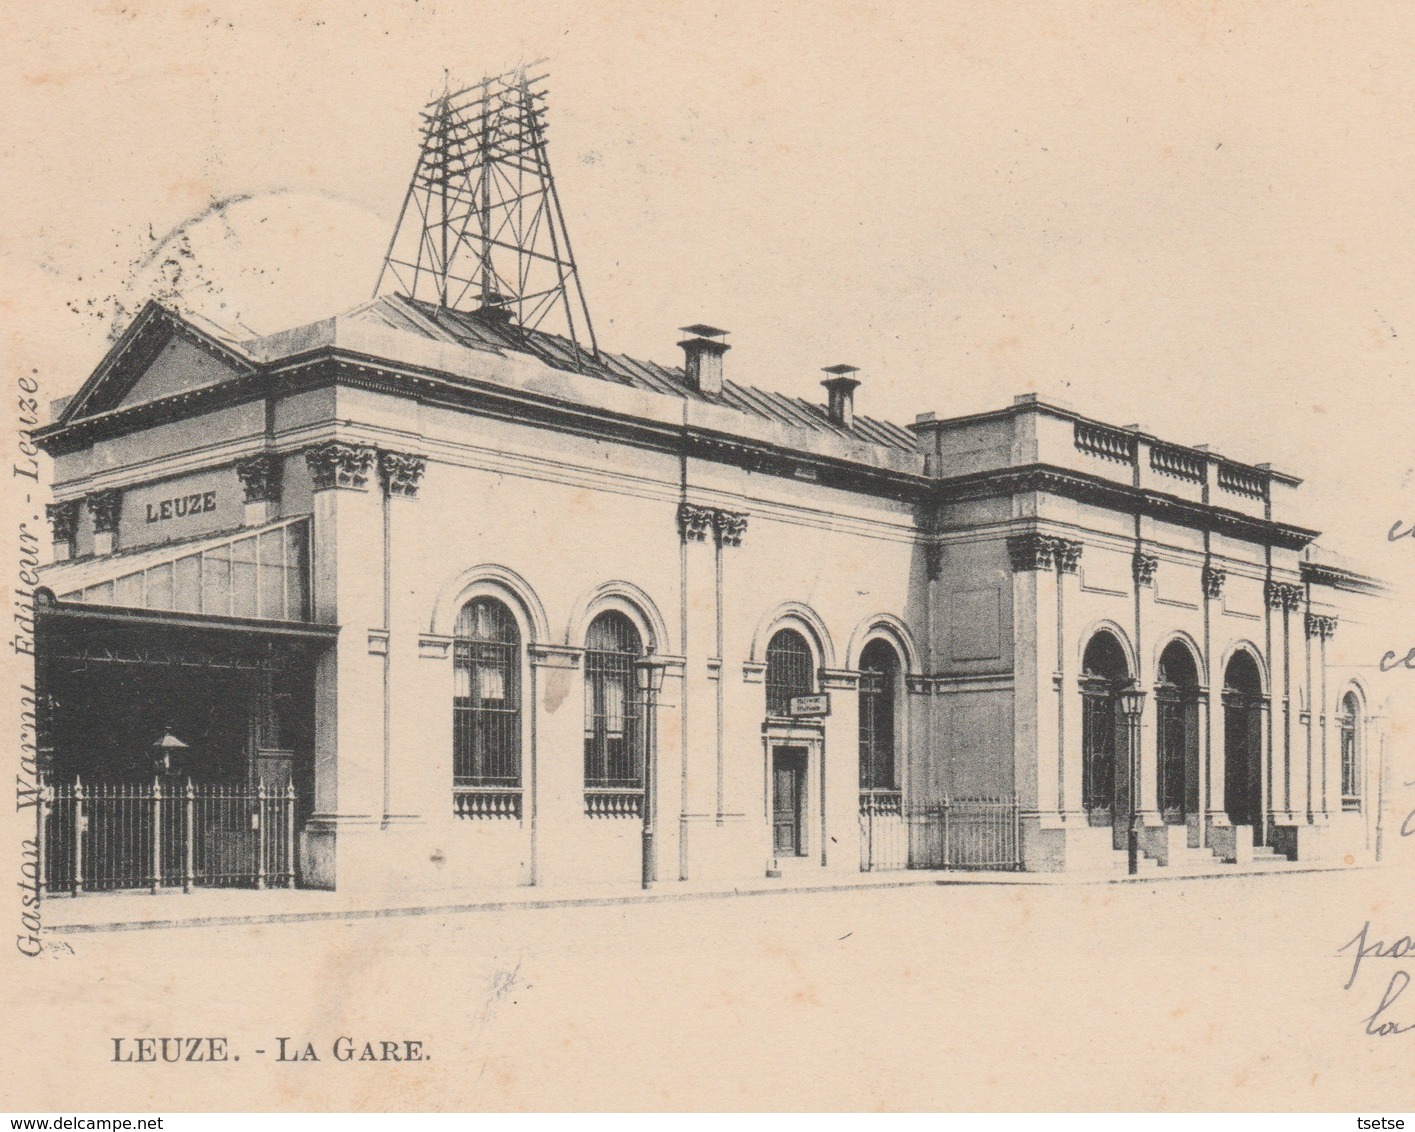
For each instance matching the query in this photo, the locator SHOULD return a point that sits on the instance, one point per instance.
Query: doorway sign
(809, 706)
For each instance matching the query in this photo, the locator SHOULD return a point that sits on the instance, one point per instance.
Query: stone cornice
(331, 366)
(1124, 498)
(555, 656)
(1335, 577)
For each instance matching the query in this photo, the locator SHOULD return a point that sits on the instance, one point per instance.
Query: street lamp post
(648, 678)
(1132, 704)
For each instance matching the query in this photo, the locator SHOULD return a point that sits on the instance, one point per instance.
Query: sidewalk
(129, 911)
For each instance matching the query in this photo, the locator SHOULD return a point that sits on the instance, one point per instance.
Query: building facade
(431, 602)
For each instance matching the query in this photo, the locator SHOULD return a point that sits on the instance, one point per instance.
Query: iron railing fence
(111, 837)
(956, 833)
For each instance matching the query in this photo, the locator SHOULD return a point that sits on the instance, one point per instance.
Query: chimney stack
(702, 355)
(841, 387)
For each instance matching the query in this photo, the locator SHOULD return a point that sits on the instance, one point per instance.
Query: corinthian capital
(260, 477)
(694, 522)
(401, 472)
(339, 465)
(1031, 551)
(730, 527)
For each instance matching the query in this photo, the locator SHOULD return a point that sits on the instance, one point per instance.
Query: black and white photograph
(723, 557)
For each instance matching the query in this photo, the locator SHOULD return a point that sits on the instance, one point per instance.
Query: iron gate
(957, 833)
(109, 837)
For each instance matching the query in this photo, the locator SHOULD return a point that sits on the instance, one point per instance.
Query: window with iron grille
(1104, 672)
(614, 755)
(879, 681)
(790, 671)
(1177, 706)
(486, 697)
(1350, 752)
(1098, 723)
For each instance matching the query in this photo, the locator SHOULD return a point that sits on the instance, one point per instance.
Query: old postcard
(709, 557)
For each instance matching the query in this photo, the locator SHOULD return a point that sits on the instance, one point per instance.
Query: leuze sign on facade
(180, 508)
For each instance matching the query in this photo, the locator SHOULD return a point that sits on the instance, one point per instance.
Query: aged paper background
(1195, 216)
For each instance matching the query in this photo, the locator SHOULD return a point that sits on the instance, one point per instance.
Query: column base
(1048, 846)
(1230, 843)
(319, 846)
(1164, 844)
(1297, 841)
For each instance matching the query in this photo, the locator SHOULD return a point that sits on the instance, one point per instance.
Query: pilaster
(349, 765)
(260, 477)
(106, 508)
(841, 802)
(411, 794)
(64, 528)
(1144, 567)
(558, 699)
(1032, 556)
(1215, 802)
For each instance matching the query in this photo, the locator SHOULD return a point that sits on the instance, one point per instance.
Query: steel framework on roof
(481, 228)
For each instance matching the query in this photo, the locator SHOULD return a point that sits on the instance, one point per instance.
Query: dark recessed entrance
(175, 749)
(788, 800)
(1243, 742)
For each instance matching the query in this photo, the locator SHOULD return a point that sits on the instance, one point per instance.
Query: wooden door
(788, 777)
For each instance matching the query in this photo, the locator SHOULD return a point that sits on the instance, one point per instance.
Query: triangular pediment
(160, 355)
(179, 366)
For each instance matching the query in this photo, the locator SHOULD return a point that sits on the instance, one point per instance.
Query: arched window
(486, 697)
(790, 671)
(614, 740)
(1350, 724)
(1177, 704)
(879, 683)
(1104, 673)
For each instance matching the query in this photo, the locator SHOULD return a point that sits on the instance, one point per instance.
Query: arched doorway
(794, 744)
(1177, 734)
(1243, 742)
(1104, 775)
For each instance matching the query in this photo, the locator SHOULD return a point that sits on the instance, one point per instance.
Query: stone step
(1143, 865)
(1193, 856)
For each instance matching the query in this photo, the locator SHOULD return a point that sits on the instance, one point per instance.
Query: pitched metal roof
(479, 332)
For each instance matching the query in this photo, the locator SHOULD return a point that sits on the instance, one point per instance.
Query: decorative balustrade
(1107, 443)
(486, 803)
(614, 803)
(1241, 481)
(1177, 463)
(881, 803)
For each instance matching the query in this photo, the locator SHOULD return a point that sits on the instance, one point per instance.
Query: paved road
(1183, 995)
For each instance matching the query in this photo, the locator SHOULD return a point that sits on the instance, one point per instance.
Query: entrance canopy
(261, 573)
(112, 682)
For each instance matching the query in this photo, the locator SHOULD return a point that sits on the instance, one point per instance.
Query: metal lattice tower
(481, 227)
